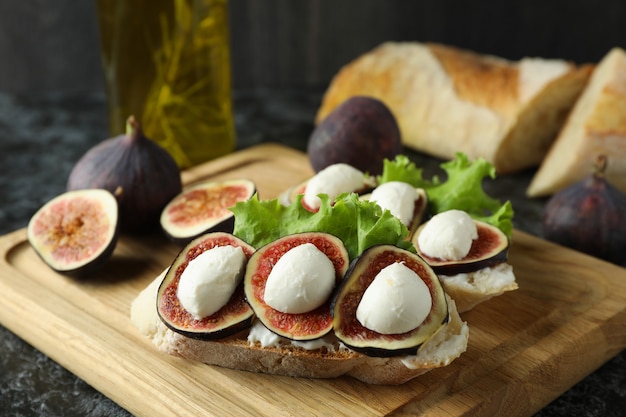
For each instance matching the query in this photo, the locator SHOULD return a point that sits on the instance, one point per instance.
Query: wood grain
(526, 347)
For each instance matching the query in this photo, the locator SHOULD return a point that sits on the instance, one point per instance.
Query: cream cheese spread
(210, 279)
(396, 301)
(300, 281)
(266, 338)
(332, 180)
(397, 197)
(448, 235)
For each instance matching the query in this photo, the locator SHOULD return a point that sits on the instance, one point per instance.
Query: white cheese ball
(397, 301)
(302, 280)
(397, 197)
(448, 235)
(332, 180)
(210, 279)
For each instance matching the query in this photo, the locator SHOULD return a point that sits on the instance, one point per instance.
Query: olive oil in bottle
(168, 63)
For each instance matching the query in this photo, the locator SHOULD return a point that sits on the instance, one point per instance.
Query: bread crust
(484, 80)
(472, 289)
(237, 352)
(448, 100)
(596, 125)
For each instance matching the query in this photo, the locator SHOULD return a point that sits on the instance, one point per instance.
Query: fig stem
(132, 126)
(600, 166)
(133, 129)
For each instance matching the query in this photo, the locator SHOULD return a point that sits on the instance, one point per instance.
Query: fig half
(302, 326)
(75, 232)
(232, 318)
(204, 208)
(359, 277)
(420, 209)
(489, 249)
(292, 193)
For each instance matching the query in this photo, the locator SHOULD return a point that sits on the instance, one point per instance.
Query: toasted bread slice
(447, 100)
(471, 289)
(329, 360)
(596, 126)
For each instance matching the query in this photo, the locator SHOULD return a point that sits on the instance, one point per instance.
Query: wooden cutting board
(526, 347)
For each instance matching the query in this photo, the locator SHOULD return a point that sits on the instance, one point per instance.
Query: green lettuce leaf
(402, 169)
(359, 224)
(462, 189)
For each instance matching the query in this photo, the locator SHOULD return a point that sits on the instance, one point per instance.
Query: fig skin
(589, 216)
(358, 278)
(76, 232)
(361, 132)
(204, 208)
(303, 326)
(141, 174)
(490, 249)
(235, 316)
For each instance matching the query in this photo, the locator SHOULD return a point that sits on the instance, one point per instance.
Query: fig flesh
(589, 216)
(489, 249)
(204, 208)
(359, 277)
(142, 175)
(309, 325)
(75, 232)
(235, 316)
(361, 132)
(420, 212)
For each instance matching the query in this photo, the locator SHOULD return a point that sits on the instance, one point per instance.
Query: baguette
(596, 125)
(447, 100)
(329, 360)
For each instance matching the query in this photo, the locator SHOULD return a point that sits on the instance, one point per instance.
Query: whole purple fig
(589, 216)
(141, 174)
(361, 132)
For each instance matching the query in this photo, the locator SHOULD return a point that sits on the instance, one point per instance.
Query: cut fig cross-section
(75, 232)
(302, 277)
(364, 272)
(234, 316)
(204, 208)
(407, 203)
(332, 181)
(489, 249)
